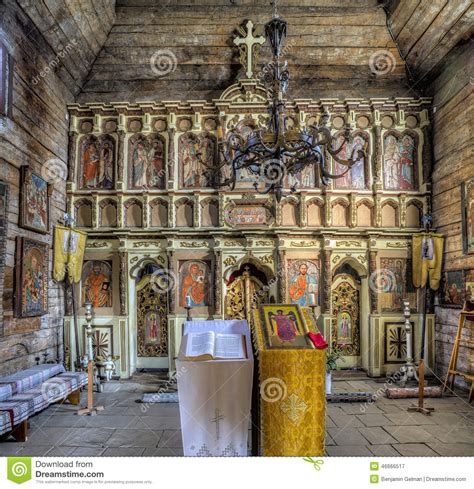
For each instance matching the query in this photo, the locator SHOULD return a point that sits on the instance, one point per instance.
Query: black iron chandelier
(271, 153)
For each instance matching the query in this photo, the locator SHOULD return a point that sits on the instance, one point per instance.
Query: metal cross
(216, 419)
(247, 43)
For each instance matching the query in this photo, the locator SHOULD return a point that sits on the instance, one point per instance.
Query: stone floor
(126, 428)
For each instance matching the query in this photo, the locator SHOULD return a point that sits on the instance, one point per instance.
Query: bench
(29, 391)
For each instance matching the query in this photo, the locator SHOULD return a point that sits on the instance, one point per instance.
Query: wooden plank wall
(330, 45)
(454, 163)
(47, 75)
(434, 37)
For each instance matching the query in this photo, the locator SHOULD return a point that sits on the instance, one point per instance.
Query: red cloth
(318, 340)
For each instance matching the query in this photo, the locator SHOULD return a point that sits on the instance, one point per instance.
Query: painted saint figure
(90, 166)
(96, 287)
(152, 327)
(98, 164)
(194, 288)
(33, 283)
(303, 287)
(191, 163)
(286, 325)
(355, 177)
(399, 162)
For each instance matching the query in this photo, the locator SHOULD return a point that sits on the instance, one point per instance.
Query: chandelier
(271, 153)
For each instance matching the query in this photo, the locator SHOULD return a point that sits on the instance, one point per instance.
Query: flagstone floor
(127, 428)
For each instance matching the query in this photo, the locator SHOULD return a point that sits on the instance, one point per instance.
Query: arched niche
(389, 213)
(184, 214)
(210, 213)
(83, 211)
(365, 213)
(315, 213)
(133, 213)
(289, 213)
(159, 213)
(108, 213)
(414, 212)
(340, 213)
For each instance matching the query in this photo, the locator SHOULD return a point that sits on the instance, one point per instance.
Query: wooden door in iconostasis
(152, 323)
(345, 328)
(246, 289)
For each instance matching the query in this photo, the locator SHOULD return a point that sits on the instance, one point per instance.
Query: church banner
(69, 246)
(427, 259)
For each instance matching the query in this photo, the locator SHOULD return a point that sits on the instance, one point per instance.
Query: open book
(209, 345)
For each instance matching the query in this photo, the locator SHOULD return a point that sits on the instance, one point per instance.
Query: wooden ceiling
(426, 31)
(330, 44)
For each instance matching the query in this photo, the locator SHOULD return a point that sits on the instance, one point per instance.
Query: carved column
(171, 156)
(374, 306)
(171, 212)
(120, 212)
(327, 210)
(218, 282)
(174, 279)
(378, 211)
(353, 211)
(281, 276)
(95, 211)
(197, 212)
(120, 158)
(327, 281)
(303, 211)
(377, 156)
(72, 150)
(146, 211)
(123, 283)
(403, 210)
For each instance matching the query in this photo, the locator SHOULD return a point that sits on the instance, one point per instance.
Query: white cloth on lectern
(215, 397)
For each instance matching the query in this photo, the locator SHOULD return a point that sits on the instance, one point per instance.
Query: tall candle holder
(90, 409)
(408, 370)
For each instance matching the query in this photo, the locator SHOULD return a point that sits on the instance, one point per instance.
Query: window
(6, 82)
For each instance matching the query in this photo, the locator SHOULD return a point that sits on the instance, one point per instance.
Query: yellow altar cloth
(292, 399)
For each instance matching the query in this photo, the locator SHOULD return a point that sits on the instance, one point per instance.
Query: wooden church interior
(118, 107)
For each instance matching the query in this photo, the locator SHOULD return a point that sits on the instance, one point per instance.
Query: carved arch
(113, 221)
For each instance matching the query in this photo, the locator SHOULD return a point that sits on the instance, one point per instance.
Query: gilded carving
(193, 244)
(266, 259)
(397, 244)
(97, 244)
(304, 244)
(348, 244)
(230, 261)
(143, 244)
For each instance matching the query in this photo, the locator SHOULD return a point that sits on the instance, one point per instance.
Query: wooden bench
(30, 391)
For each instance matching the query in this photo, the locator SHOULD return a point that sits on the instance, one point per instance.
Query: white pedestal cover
(215, 397)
